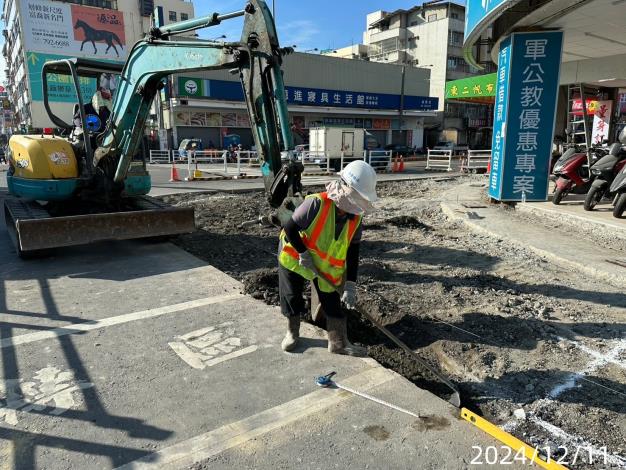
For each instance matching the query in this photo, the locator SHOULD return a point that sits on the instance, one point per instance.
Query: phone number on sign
(504, 455)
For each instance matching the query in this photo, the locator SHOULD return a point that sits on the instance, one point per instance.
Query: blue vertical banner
(525, 114)
(499, 118)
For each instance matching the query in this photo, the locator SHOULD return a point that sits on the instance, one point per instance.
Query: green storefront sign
(190, 86)
(480, 88)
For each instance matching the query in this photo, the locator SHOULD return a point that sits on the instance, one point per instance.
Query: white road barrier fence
(439, 159)
(476, 160)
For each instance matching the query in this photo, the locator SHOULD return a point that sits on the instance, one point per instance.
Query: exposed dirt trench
(537, 349)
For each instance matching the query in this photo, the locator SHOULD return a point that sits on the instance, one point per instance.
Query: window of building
(458, 64)
(454, 16)
(172, 16)
(455, 38)
(110, 4)
(184, 17)
(413, 23)
(385, 46)
(432, 17)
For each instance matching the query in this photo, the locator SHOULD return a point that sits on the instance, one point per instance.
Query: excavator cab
(86, 122)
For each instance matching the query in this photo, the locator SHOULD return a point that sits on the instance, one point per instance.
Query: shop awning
(479, 89)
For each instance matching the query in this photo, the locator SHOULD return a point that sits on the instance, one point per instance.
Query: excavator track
(32, 228)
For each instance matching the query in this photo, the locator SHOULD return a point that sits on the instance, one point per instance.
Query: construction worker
(320, 243)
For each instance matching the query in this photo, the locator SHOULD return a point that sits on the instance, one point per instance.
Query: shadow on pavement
(25, 444)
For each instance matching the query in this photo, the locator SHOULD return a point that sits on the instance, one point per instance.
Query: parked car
(189, 144)
(397, 150)
(448, 145)
(444, 145)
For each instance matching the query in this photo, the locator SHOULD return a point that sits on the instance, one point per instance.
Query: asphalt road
(161, 174)
(222, 181)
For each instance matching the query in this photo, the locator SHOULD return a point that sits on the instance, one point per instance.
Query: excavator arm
(257, 58)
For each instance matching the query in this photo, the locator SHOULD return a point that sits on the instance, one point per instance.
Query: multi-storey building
(40, 30)
(429, 36)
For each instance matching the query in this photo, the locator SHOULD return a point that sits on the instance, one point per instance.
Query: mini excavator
(92, 185)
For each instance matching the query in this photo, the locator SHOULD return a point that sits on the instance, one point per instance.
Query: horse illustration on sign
(94, 35)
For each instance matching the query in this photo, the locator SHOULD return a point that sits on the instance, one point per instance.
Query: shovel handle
(455, 399)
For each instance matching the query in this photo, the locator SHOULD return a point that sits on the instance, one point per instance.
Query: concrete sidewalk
(139, 355)
(572, 209)
(467, 204)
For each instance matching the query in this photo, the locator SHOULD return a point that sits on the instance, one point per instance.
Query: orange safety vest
(329, 255)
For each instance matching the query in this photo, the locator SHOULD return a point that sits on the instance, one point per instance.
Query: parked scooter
(571, 172)
(618, 186)
(603, 173)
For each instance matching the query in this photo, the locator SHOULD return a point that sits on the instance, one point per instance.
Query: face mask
(347, 199)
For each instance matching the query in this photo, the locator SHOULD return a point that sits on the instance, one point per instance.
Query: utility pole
(401, 111)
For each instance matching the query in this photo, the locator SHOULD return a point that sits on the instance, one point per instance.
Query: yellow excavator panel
(42, 157)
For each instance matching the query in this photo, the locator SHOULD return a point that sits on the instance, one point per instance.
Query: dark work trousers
(291, 289)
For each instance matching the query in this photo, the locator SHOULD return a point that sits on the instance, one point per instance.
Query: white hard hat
(362, 178)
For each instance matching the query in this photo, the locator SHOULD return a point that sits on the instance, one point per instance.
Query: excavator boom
(257, 58)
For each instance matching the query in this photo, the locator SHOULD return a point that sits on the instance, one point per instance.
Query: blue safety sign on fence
(525, 111)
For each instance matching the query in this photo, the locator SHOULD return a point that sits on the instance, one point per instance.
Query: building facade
(37, 31)
(430, 36)
(321, 91)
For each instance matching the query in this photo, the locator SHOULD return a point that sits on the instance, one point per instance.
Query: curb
(529, 209)
(618, 281)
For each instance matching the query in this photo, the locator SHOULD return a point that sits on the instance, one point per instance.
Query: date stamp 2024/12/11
(504, 455)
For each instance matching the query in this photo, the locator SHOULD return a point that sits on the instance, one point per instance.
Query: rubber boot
(337, 329)
(293, 333)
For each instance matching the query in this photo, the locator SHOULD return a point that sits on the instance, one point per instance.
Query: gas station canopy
(594, 41)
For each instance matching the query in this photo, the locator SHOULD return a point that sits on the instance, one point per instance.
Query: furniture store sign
(63, 28)
(232, 91)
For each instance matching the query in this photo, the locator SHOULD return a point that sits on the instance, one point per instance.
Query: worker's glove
(348, 298)
(306, 261)
(283, 214)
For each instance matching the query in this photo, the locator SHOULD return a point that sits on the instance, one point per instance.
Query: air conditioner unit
(146, 7)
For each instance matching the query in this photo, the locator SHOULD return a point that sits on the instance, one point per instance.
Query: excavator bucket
(32, 228)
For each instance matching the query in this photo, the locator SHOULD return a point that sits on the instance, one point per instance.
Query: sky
(321, 24)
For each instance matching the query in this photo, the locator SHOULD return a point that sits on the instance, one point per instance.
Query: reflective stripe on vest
(319, 238)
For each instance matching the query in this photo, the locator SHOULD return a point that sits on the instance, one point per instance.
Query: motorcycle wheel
(594, 196)
(620, 206)
(558, 196)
